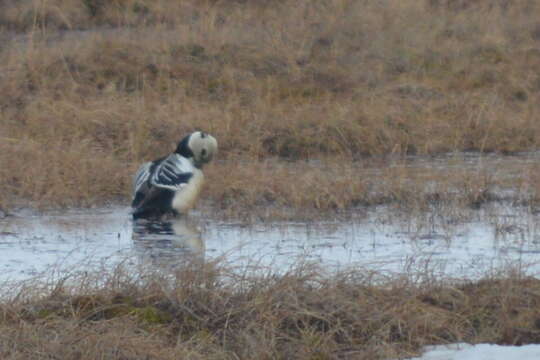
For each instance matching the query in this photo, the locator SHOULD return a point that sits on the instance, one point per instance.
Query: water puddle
(487, 241)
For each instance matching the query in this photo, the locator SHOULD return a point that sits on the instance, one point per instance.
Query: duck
(169, 186)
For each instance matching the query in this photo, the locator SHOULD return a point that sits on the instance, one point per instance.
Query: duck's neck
(183, 148)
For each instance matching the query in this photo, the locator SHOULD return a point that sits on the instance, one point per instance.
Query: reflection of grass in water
(332, 80)
(210, 312)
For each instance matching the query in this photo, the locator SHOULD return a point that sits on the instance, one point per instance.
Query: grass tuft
(211, 312)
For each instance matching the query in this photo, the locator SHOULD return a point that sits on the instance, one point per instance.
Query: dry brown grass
(90, 88)
(211, 313)
(276, 189)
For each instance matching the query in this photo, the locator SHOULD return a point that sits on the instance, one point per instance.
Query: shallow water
(382, 240)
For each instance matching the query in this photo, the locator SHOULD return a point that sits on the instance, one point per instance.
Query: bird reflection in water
(168, 243)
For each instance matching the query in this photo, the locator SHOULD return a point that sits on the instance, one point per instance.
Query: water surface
(382, 240)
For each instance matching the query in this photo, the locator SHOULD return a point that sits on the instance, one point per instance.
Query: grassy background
(90, 88)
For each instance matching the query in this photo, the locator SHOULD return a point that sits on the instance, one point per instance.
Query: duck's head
(198, 146)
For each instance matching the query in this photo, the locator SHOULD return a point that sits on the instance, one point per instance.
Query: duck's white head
(198, 146)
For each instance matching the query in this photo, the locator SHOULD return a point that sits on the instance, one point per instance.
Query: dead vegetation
(90, 88)
(317, 106)
(213, 313)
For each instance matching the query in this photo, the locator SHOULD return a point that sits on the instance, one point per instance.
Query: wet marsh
(377, 187)
(473, 245)
(380, 285)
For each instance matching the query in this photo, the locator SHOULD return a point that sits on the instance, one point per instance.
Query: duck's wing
(141, 176)
(141, 185)
(173, 173)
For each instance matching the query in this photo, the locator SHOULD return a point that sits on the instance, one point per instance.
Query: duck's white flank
(184, 199)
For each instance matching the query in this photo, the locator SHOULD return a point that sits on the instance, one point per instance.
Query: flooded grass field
(378, 281)
(450, 238)
(376, 189)
(381, 239)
